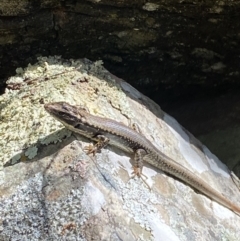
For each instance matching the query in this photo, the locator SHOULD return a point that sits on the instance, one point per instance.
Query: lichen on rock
(24, 122)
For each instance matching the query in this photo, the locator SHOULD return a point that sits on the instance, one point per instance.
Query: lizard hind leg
(138, 165)
(138, 161)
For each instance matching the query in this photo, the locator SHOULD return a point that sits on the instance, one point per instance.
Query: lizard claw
(137, 171)
(91, 149)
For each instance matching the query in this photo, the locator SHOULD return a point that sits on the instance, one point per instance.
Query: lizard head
(66, 113)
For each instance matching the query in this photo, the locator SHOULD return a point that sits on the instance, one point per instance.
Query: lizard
(106, 131)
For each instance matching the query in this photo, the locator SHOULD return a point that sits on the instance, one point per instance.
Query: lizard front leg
(102, 141)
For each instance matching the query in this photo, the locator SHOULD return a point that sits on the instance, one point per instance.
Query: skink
(107, 131)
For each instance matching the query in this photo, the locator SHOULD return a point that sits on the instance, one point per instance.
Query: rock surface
(176, 47)
(51, 190)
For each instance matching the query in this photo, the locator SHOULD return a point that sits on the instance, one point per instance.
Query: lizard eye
(61, 113)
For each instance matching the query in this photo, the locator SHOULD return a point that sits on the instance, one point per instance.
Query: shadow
(36, 193)
(43, 150)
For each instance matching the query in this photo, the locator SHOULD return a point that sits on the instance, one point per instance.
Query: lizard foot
(91, 149)
(137, 171)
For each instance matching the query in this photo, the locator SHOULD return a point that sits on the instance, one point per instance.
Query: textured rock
(165, 48)
(51, 190)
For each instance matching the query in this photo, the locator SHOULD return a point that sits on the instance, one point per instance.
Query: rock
(50, 189)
